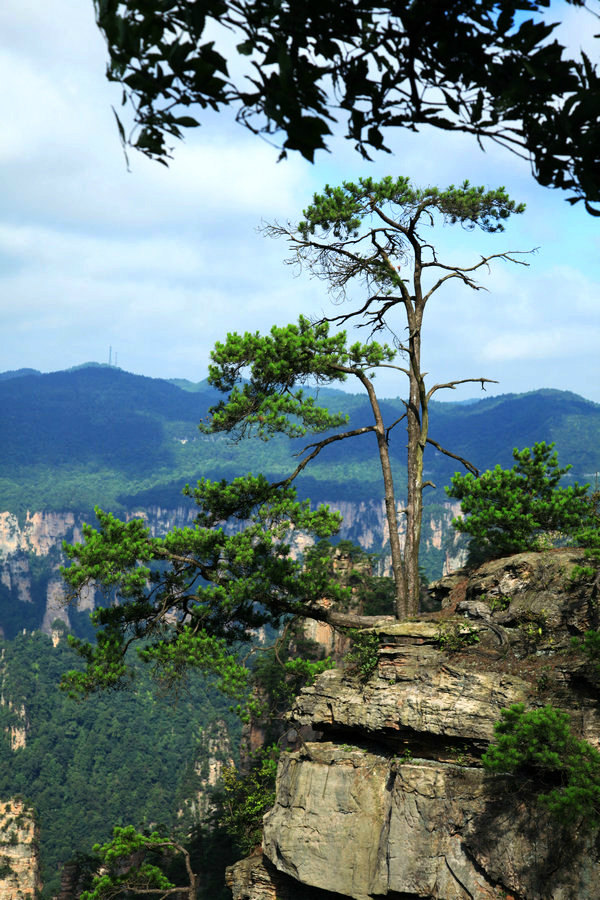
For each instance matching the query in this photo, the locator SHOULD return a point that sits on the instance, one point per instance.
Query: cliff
(19, 852)
(32, 591)
(391, 799)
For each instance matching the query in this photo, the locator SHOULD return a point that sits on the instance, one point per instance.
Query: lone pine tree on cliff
(191, 595)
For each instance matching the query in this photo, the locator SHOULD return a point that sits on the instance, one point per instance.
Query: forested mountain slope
(132, 756)
(98, 435)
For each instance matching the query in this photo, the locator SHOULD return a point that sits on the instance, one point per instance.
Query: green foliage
(502, 76)
(583, 573)
(455, 636)
(588, 536)
(117, 758)
(123, 872)
(268, 402)
(589, 645)
(510, 511)
(497, 603)
(192, 596)
(247, 797)
(540, 742)
(341, 211)
(363, 657)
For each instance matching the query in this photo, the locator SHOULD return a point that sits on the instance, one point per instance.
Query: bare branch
(390, 366)
(393, 223)
(461, 271)
(393, 425)
(469, 282)
(508, 255)
(461, 459)
(344, 317)
(318, 447)
(145, 890)
(338, 619)
(385, 256)
(452, 384)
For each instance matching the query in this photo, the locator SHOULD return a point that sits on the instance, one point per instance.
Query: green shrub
(247, 797)
(454, 636)
(509, 511)
(364, 654)
(588, 536)
(589, 644)
(497, 603)
(541, 742)
(532, 624)
(583, 574)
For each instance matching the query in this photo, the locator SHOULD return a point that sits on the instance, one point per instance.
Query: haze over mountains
(99, 435)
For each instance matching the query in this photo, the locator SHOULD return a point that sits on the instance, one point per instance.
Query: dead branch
(318, 447)
(387, 430)
(460, 459)
(462, 271)
(452, 384)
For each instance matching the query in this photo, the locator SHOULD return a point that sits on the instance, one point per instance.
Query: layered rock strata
(392, 801)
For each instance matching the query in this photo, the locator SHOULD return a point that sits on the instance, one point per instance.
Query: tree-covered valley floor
(134, 756)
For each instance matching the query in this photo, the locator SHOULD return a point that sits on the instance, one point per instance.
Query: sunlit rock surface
(391, 799)
(19, 853)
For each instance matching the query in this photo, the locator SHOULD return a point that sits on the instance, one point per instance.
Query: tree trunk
(398, 564)
(417, 411)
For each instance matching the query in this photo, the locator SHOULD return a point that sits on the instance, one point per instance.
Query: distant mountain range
(97, 434)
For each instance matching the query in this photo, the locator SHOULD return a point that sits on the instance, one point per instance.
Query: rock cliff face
(19, 856)
(214, 754)
(392, 801)
(31, 553)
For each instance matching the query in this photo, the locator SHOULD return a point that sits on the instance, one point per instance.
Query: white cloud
(161, 263)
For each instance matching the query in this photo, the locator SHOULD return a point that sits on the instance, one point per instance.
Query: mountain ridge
(98, 435)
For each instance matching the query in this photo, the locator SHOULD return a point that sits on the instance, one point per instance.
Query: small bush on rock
(364, 653)
(508, 511)
(540, 742)
(589, 644)
(247, 797)
(455, 636)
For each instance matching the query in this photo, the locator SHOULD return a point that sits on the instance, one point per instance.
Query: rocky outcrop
(19, 853)
(31, 554)
(255, 878)
(18, 724)
(390, 799)
(373, 826)
(39, 532)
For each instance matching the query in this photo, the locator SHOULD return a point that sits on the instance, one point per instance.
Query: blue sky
(161, 263)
